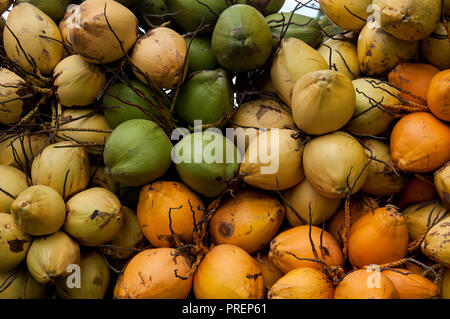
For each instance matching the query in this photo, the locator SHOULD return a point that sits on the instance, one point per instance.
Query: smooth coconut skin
(94, 280)
(13, 181)
(296, 241)
(27, 23)
(156, 200)
(22, 287)
(100, 179)
(436, 48)
(417, 215)
(410, 285)
(436, 245)
(54, 9)
(355, 286)
(242, 40)
(152, 274)
(302, 283)
(416, 191)
(442, 183)
(343, 56)
(438, 96)
(378, 237)
(269, 271)
(422, 17)
(200, 55)
(13, 154)
(264, 6)
(12, 86)
(168, 56)
(346, 19)
(420, 143)
(295, 59)
(49, 257)
(14, 243)
(249, 220)
(228, 272)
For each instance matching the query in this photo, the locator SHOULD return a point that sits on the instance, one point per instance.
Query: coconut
(100, 179)
(12, 183)
(422, 17)
(242, 40)
(19, 284)
(335, 164)
(381, 180)
(54, 9)
(273, 160)
(214, 89)
(148, 152)
(445, 285)
(301, 198)
(94, 216)
(19, 150)
(94, 280)
(206, 161)
(442, 183)
(77, 82)
(436, 245)
(50, 256)
(379, 52)
(412, 286)
(255, 115)
(266, 7)
(371, 115)
(200, 54)
(39, 210)
(322, 101)
(269, 271)
(63, 166)
(294, 59)
(228, 272)
(191, 14)
(85, 126)
(347, 14)
(301, 27)
(161, 55)
(39, 39)
(86, 31)
(14, 243)
(128, 240)
(4, 5)
(341, 55)
(436, 48)
(13, 95)
(151, 10)
(329, 29)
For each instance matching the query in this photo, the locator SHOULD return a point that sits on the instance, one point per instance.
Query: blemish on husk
(16, 245)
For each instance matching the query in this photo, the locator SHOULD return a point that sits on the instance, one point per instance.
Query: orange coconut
(438, 97)
(410, 285)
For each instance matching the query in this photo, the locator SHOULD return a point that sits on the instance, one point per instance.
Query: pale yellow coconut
(342, 56)
(436, 48)
(436, 244)
(347, 14)
(442, 183)
(21, 285)
(19, 150)
(13, 94)
(422, 215)
(12, 182)
(100, 179)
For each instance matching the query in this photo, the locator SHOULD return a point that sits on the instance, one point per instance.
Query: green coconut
(266, 7)
(122, 102)
(200, 54)
(94, 280)
(137, 153)
(189, 14)
(242, 40)
(19, 284)
(55, 9)
(300, 27)
(206, 161)
(156, 8)
(206, 96)
(329, 28)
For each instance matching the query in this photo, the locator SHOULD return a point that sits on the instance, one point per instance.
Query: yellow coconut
(19, 150)
(64, 167)
(442, 183)
(14, 243)
(294, 60)
(269, 271)
(273, 160)
(161, 55)
(335, 164)
(88, 126)
(94, 216)
(381, 180)
(19, 284)
(12, 183)
(40, 41)
(95, 277)
(408, 20)
(445, 285)
(12, 97)
(255, 115)
(419, 216)
(128, 240)
(100, 179)
(436, 48)
(322, 102)
(342, 56)
(77, 82)
(379, 52)
(373, 99)
(436, 244)
(347, 14)
(300, 198)
(39, 210)
(228, 272)
(50, 256)
(86, 31)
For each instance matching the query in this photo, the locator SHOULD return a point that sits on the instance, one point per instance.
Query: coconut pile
(222, 149)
